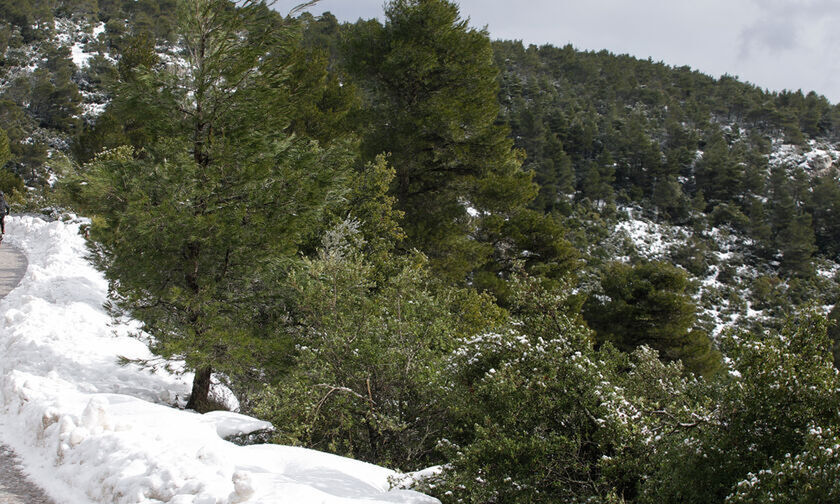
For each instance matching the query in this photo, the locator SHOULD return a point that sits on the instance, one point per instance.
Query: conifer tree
(797, 243)
(648, 305)
(5, 152)
(598, 177)
(433, 106)
(826, 212)
(189, 227)
(719, 173)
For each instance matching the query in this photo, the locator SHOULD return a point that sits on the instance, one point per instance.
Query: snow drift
(91, 430)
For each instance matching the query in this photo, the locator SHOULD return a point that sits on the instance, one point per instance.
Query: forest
(395, 240)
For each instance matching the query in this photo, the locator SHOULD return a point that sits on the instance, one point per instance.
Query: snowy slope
(90, 430)
(655, 241)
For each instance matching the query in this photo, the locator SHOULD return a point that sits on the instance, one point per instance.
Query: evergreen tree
(433, 107)
(826, 211)
(797, 245)
(719, 174)
(792, 226)
(373, 351)
(9, 182)
(669, 199)
(83, 9)
(5, 151)
(137, 50)
(189, 227)
(782, 204)
(527, 241)
(597, 180)
(638, 158)
(759, 228)
(648, 305)
(542, 416)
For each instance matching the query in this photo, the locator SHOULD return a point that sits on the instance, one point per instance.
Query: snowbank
(91, 430)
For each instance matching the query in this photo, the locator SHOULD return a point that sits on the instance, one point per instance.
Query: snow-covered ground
(659, 241)
(91, 430)
(816, 158)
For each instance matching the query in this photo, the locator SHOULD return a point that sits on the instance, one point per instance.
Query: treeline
(382, 237)
(34, 21)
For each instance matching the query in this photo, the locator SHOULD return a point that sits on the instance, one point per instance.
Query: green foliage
(648, 305)
(211, 186)
(527, 241)
(369, 202)
(543, 416)
(719, 172)
(811, 476)
(432, 105)
(328, 101)
(669, 199)
(664, 137)
(137, 51)
(729, 215)
(370, 365)
(826, 213)
(695, 257)
(780, 385)
(10, 184)
(79, 9)
(597, 179)
(190, 228)
(5, 151)
(33, 18)
(55, 100)
(797, 245)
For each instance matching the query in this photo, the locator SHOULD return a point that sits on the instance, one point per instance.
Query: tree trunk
(200, 390)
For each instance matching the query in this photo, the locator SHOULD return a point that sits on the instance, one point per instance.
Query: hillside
(560, 275)
(743, 180)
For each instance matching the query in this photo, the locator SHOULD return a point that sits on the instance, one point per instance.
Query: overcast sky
(775, 44)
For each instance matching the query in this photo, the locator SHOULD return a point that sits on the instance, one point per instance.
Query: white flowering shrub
(809, 477)
(544, 416)
(779, 386)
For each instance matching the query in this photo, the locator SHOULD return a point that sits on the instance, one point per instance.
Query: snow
(79, 55)
(90, 430)
(659, 241)
(647, 236)
(98, 30)
(816, 158)
(228, 423)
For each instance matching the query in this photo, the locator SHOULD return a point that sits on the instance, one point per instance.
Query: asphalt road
(12, 267)
(14, 487)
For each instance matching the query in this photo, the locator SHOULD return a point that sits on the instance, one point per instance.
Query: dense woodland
(394, 241)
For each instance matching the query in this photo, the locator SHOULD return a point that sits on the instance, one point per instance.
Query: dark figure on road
(4, 211)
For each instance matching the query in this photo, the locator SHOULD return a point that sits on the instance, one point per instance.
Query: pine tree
(433, 106)
(648, 305)
(9, 183)
(597, 180)
(798, 244)
(826, 212)
(55, 99)
(5, 152)
(189, 227)
(669, 198)
(719, 173)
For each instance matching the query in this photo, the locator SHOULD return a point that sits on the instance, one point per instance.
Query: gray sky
(775, 44)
